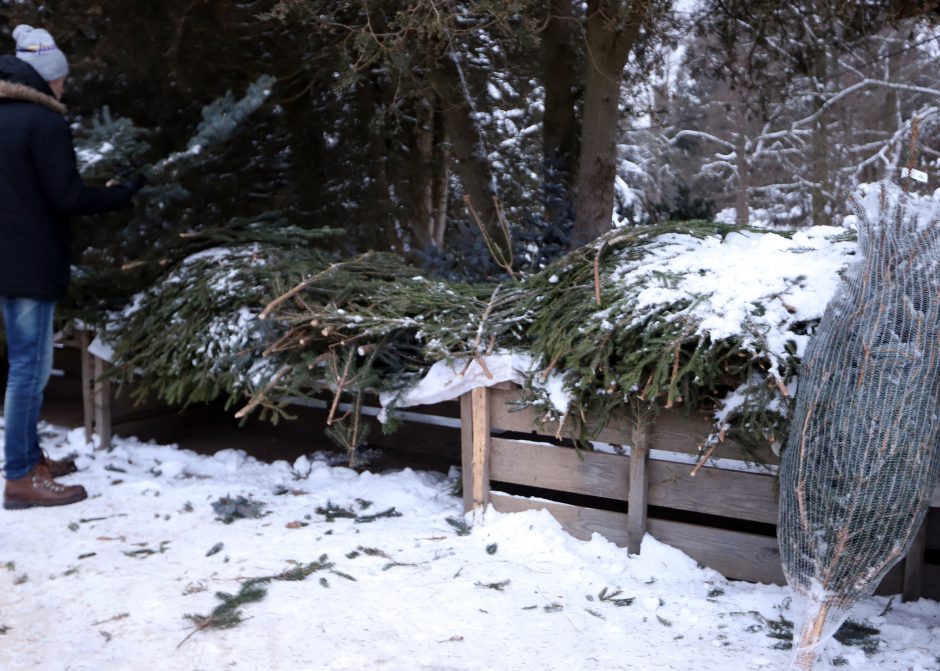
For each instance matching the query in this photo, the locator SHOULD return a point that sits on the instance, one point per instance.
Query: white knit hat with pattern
(36, 47)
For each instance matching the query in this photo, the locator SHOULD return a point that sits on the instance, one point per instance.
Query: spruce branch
(228, 613)
(502, 254)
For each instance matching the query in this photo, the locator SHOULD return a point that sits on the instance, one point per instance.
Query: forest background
(412, 126)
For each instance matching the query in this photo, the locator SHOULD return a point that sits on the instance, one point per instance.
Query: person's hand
(134, 183)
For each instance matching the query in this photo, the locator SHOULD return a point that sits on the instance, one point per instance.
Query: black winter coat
(40, 188)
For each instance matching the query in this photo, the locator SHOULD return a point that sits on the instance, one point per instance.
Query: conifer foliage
(129, 253)
(376, 323)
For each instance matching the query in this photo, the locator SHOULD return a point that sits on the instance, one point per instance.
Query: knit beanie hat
(36, 47)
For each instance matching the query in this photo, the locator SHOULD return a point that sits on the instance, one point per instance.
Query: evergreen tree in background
(388, 116)
(787, 107)
(130, 253)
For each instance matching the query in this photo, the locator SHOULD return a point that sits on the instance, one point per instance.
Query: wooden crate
(723, 516)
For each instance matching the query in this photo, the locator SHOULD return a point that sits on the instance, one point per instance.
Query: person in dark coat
(40, 190)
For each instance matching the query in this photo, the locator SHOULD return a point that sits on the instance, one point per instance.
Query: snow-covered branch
(701, 135)
(858, 86)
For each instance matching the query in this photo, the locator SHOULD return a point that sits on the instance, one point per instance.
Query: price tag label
(916, 175)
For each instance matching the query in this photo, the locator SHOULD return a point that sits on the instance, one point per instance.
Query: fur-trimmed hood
(19, 81)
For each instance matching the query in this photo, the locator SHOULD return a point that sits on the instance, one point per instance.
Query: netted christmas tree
(862, 457)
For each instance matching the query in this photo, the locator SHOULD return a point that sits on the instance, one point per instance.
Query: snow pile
(447, 380)
(761, 287)
(105, 584)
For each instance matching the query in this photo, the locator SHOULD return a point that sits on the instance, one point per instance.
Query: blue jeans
(28, 325)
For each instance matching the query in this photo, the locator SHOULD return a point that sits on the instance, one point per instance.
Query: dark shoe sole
(21, 505)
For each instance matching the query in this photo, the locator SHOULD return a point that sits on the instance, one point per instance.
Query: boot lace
(40, 482)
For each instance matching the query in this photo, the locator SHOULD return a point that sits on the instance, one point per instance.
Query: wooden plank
(507, 418)
(931, 582)
(712, 491)
(639, 486)
(734, 554)
(933, 529)
(88, 385)
(466, 450)
(914, 566)
(578, 521)
(893, 582)
(559, 468)
(438, 443)
(480, 422)
(741, 556)
(505, 384)
(672, 430)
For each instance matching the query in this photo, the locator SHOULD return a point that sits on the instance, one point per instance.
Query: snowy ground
(104, 585)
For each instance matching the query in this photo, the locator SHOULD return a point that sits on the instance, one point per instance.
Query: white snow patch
(447, 380)
(84, 593)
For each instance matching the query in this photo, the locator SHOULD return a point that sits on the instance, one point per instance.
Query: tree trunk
(440, 184)
(608, 46)
(821, 207)
(428, 187)
(375, 232)
(419, 214)
(892, 116)
(466, 144)
(742, 203)
(559, 124)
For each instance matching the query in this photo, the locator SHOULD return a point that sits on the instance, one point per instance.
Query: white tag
(916, 175)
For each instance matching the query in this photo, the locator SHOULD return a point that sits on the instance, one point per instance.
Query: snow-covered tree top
(753, 285)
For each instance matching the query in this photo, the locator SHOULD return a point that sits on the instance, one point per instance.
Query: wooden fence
(431, 432)
(723, 515)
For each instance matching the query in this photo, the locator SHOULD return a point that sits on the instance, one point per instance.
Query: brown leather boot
(37, 488)
(58, 468)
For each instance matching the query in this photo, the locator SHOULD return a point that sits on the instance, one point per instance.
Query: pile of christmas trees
(375, 323)
(256, 310)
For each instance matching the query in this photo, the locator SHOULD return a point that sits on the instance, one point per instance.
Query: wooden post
(480, 459)
(102, 405)
(639, 485)
(914, 566)
(466, 450)
(88, 384)
(809, 640)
